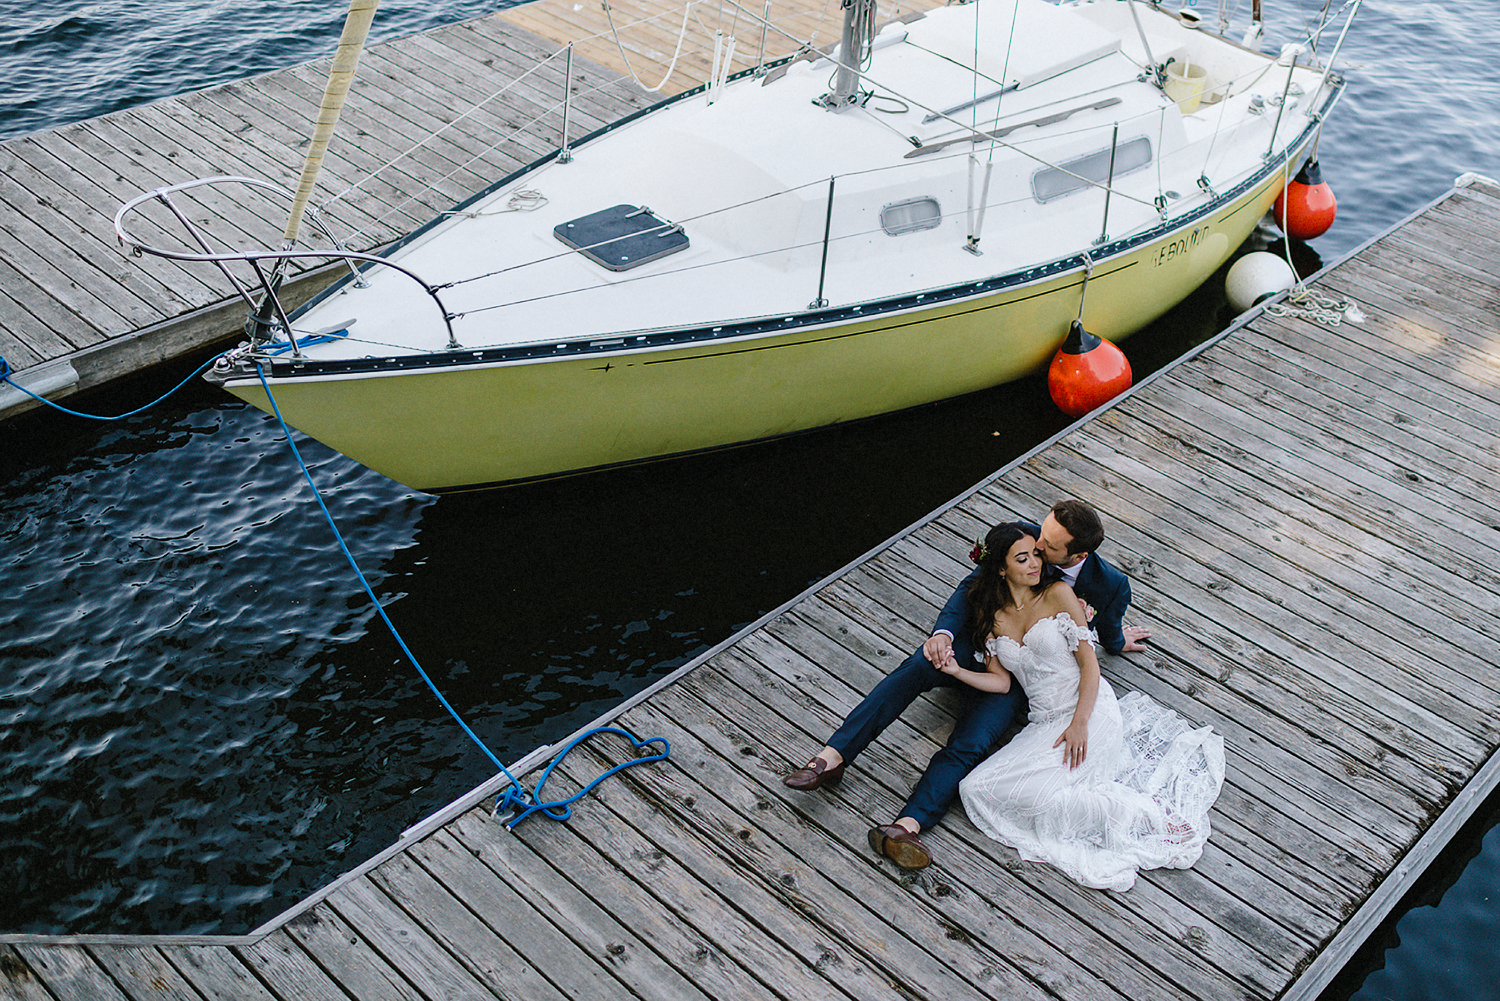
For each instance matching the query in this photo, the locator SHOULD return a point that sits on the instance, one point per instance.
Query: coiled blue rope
(282, 347)
(5, 378)
(526, 803)
(517, 796)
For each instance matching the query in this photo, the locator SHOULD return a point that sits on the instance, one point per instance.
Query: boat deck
(1309, 517)
(76, 312)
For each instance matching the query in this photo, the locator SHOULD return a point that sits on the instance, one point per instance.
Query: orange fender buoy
(1306, 209)
(1087, 372)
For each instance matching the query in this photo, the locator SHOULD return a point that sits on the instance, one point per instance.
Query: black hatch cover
(622, 237)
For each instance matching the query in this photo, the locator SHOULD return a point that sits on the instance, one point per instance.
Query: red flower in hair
(977, 554)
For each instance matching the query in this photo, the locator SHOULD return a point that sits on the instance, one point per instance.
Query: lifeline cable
(517, 796)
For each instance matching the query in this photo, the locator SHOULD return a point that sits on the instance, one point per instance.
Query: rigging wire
(756, 18)
(1010, 43)
(695, 267)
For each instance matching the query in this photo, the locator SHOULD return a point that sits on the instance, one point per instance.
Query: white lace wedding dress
(1141, 798)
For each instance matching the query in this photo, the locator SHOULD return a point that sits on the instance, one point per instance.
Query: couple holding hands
(1097, 786)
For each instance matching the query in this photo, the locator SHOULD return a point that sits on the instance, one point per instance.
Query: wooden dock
(76, 312)
(1310, 519)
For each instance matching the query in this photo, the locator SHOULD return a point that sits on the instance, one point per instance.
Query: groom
(1068, 538)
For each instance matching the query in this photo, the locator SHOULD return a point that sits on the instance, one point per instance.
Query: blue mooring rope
(517, 797)
(5, 378)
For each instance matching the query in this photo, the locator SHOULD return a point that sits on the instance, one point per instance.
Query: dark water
(201, 716)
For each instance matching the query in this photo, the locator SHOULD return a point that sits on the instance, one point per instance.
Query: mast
(345, 60)
(854, 53)
(340, 76)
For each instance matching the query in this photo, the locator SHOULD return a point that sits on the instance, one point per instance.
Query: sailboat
(921, 212)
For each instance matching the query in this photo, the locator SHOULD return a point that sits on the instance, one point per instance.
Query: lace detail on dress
(1142, 796)
(1071, 632)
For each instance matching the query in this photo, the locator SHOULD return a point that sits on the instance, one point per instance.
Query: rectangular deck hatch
(622, 237)
(1054, 182)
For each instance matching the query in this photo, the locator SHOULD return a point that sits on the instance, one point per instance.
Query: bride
(1096, 786)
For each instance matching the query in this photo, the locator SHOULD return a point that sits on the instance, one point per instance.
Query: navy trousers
(983, 718)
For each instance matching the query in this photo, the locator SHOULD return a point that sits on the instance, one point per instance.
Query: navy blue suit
(982, 717)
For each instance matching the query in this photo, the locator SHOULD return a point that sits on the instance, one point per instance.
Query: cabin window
(910, 216)
(622, 237)
(1054, 182)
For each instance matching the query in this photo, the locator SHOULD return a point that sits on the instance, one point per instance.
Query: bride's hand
(1076, 739)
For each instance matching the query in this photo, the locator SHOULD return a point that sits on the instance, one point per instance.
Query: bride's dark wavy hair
(987, 591)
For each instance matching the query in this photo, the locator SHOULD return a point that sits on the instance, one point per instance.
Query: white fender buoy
(1255, 278)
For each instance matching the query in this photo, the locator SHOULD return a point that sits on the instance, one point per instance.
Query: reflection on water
(173, 631)
(66, 60)
(1448, 922)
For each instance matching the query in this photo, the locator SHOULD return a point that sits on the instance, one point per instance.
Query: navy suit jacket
(1101, 585)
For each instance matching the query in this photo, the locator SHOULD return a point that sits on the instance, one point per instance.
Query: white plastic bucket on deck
(1185, 85)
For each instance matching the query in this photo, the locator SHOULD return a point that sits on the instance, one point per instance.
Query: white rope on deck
(681, 34)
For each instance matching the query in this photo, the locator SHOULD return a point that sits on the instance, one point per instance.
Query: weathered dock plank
(20, 983)
(287, 971)
(1266, 497)
(67, 973)
(646, 944)
(358, 968)
(216, 972)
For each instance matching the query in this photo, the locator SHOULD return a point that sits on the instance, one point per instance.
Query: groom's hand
(939, 650)
(1135, 639)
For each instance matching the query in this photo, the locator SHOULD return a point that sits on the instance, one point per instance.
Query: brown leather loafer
(814, 775)
(900, 846)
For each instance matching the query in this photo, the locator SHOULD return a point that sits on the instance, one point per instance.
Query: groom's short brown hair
(1082, 523)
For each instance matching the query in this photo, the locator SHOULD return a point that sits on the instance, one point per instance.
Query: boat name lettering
(1180, 246)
